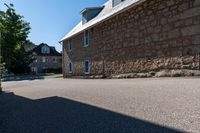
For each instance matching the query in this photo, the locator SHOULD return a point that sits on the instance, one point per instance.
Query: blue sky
(50, 20)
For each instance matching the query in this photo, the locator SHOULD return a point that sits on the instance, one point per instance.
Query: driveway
(55, 105)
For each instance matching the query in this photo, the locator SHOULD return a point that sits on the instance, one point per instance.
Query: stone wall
(152, 36)
(48, 64)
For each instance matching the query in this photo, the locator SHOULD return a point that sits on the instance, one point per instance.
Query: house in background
(46, 58)
(134, 36)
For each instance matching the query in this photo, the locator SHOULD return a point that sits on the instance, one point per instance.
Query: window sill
(85, 46)
(86, 73)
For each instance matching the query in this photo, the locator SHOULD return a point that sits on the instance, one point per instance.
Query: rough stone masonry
(153, 36)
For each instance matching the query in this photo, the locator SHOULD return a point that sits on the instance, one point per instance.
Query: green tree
(20, 63)
(2, 69)
(14, 34)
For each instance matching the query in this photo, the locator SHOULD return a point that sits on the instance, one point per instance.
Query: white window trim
(88, 67)
(88, 37)
(70, 72)
(68, 45)
(43, 59)
(45, 50)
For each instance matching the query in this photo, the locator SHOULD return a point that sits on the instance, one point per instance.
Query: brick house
(134, 36)
(46, 57)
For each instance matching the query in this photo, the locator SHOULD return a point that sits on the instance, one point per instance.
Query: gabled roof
(53, 51)
(107, 12)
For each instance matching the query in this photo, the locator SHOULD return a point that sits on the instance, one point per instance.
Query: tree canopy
(14, 33)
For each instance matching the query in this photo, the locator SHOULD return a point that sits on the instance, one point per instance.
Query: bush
(3, 71)
(56, 71)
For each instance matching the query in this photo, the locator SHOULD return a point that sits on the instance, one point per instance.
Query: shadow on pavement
(59, 115)
(21, 78)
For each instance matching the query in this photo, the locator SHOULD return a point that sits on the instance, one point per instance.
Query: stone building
(134, 36)
(46, 58)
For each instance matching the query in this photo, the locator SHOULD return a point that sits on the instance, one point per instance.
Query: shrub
(57, 71)
(3, 70)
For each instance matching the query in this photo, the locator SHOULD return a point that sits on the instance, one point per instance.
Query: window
(70, 45)
(86, 38)
(54, 60)
(44, 59)
(34, 69)
(86, 67)
(116, 2)
(70, 67)
(45, 50)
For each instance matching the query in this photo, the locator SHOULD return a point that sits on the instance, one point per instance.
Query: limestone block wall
(48, 64)
(155, 35)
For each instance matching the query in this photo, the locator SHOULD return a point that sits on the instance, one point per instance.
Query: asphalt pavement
(55, 105)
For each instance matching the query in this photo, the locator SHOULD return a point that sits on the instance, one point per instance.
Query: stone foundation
(162, 73)
(146, 67)
(151, 64)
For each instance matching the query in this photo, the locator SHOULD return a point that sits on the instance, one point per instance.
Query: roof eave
(103, 20)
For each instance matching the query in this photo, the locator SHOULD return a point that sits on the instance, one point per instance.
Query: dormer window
(90, 13)
(86, 38)
(116, 2)
(45, 50)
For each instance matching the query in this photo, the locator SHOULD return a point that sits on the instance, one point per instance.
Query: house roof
(107, 12)
(53, 51)
(30, 46)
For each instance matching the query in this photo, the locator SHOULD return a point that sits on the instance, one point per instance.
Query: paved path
(101, 106)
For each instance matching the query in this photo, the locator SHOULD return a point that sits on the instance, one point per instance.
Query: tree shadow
(60, 115)
(21, 78)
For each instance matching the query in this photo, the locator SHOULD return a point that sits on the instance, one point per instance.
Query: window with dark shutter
(70, 67)
(86, 38)
(86, 67)
(70, 45)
